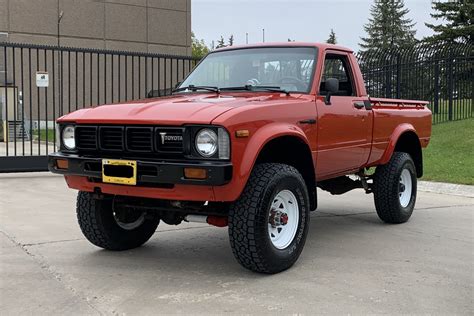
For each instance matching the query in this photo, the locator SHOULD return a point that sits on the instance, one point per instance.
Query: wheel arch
(294, 151)
(405, 139)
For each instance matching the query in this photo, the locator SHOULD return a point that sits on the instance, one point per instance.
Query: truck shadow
(206, 250)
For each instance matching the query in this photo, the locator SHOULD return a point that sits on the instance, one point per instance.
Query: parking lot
(352, 262)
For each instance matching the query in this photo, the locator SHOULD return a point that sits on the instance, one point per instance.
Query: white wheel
(405, 188)
(129, 221)
(283, 219)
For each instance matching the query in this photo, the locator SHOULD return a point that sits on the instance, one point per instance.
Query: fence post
(436, 88)
(450, 87)
(399, 71)
(388, 81)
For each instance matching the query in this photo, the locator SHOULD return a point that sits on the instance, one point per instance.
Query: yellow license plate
(119, 171)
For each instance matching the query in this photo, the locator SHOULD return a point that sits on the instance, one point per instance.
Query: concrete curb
(447, 188)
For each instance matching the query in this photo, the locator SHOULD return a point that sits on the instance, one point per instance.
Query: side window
(337, 66)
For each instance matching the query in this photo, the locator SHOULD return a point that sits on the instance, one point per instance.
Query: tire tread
(386, 180)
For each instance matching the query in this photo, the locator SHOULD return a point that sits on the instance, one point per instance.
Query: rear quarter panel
(392, 119)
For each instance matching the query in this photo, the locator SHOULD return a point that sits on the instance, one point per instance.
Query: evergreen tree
(221, 43)
(332, 38)
(459, 18)
(231, 40)
(388, 26)
(199, 48)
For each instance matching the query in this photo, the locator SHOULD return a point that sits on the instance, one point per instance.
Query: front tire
(395, 186)
(268, 224)
(105, 229)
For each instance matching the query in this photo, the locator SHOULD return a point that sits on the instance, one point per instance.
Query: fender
(261, 138)
(247, 157)
(398, 131)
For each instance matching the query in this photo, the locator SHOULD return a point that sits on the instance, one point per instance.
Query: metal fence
(38, 84)
(440, 73)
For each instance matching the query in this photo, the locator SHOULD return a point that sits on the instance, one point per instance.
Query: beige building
(80, 77)
(155, 26)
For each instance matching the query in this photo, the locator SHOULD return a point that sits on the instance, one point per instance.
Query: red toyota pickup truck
(243, 142)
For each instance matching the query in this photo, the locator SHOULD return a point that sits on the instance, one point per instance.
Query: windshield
(288, 68)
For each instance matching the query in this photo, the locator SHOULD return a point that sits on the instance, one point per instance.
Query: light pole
(263, 33)
(60, 17)
(60, 64)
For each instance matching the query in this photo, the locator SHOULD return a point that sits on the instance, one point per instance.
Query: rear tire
(101, 227)
(395, 189)
(268, 224)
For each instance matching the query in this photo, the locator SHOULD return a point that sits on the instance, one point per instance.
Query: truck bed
(391, 116)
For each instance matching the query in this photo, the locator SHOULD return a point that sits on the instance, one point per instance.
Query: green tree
(332, 38)
(388, 26)
(221, 43)
(231, 40)
(199, 48)
(459, 21)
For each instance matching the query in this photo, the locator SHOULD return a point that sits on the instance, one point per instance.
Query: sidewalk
(446, 188)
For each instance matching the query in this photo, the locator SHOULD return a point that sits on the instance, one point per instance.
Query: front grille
(131, 140)
(86, 137)
(111, 138)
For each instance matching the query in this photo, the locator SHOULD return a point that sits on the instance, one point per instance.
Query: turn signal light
(242, 133)
(62, 164)
(195, 173)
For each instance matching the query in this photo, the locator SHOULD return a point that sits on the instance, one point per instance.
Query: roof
(321, 46)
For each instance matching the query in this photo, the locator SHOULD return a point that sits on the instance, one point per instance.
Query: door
(344, 125)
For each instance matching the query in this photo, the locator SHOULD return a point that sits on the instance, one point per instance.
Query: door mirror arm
(332, 86)
(327, 98)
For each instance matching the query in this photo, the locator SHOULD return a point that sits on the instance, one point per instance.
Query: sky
(301, 20)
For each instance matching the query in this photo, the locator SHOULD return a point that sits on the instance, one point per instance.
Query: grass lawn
(45, 135)
(450, 154)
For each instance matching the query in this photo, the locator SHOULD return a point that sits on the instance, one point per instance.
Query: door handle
(308, 121)
(359, 105)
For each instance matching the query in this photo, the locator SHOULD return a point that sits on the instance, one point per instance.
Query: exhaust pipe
(218, 221)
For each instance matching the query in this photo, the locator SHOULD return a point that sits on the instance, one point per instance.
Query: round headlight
(68, 137)
(206, 142)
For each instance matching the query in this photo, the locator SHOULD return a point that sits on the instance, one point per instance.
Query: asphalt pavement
(352, 262)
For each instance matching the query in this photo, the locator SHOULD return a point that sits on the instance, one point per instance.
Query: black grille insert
(86, 137)
(140, 139)
(111, 138)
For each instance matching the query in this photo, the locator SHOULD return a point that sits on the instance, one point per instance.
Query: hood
(173, 110)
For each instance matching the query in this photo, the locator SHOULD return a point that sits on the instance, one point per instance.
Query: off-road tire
(386, 189)
(248, 219)
(99, 226)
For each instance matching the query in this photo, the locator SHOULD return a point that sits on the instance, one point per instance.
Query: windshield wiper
(196, 88)
(257, 88)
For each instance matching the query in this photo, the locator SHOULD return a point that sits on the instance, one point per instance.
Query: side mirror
(331, 86)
